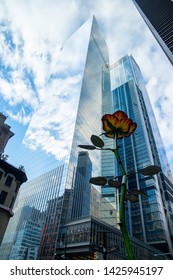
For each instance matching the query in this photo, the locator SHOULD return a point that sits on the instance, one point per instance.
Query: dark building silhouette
(158, 15)
(5, 133)
(10, 180)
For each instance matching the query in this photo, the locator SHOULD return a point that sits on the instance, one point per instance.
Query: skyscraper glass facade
(158, 15)
(49, 199)
(107, 157)
(82, 187)
(146, 219)
(59, 191)
(37, 208)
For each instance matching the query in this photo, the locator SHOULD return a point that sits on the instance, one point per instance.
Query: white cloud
(39, 29)
(51, 128)
(20, 116)
(51, 21)
(17, 91)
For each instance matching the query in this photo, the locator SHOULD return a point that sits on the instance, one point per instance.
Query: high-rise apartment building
(158, 15)
(150, 219)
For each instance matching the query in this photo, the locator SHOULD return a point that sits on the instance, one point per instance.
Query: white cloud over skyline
(32, 34)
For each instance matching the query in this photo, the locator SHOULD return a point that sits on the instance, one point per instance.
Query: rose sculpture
(119, 126)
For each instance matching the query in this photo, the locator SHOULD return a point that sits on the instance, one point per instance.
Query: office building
(37, 209)
(41, 209)
(53, 193)
(92, 239)
(158, 15)
(149, 219)
(61, 198)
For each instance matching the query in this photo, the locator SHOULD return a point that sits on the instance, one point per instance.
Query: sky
(32, 35)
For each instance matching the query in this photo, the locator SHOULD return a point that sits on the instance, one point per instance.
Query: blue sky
(32, 34)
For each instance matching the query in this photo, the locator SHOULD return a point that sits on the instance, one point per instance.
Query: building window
(3, 196)
(8, 181)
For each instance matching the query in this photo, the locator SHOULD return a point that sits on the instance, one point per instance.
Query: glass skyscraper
(60, 193)
(49, 199)
(37, 208)
(149, 219)
(158, 15)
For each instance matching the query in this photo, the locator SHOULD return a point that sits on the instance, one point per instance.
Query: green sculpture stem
(127, 242)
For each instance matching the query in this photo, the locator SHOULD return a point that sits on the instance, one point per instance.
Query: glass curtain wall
(38, 205)
(73, 114)
(146, 219)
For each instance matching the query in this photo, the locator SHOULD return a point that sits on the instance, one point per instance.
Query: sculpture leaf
(99, 181)
(87, 147)
(114, 183)
(137, 192)
(132, 198)
(150, 170)
(97, 141)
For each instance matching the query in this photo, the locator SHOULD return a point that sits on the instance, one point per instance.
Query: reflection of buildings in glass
(108, 201)
(63, 194)
(74, 107)
(147, 219)
(27, 238)
(82, 187)
(48, 236)
(87, 199)
(30, 209)
(23, 234)
(158, 15)
(75, 121)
